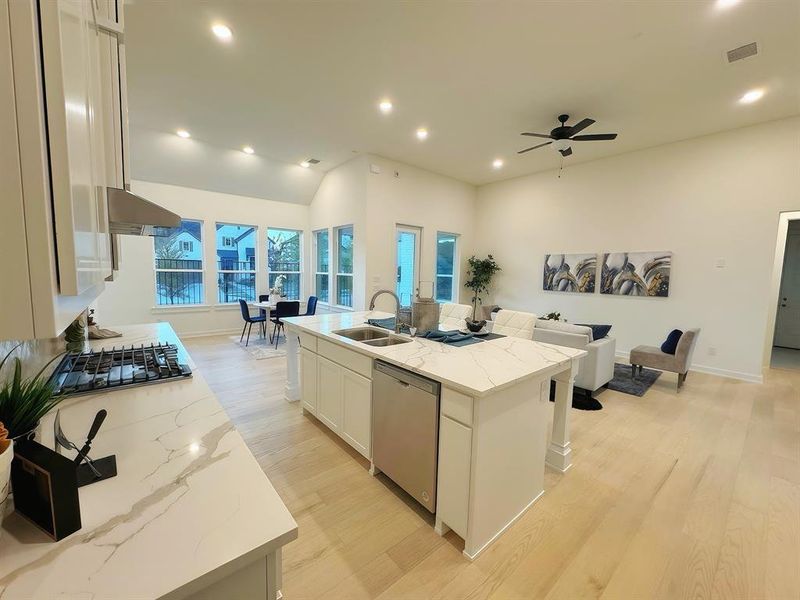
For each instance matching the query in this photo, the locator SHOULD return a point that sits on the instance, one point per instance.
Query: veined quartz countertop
(189, 504)
(476, 369)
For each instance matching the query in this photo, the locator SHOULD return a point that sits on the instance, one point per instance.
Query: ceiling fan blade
(580, 126)
(594, 136)
(541, 135)
(566, 152)
(533, 147)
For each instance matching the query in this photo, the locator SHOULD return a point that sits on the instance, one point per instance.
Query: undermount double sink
(371, 336)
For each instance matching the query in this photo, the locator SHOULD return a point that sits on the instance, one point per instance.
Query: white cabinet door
(70, 50)
(308, 380)
(357, 411)
(329, 393)
(455, 458)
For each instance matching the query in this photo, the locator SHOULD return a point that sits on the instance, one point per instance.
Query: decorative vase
(475, 326)
(5, 477)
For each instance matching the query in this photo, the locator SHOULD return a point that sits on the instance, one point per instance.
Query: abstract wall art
(636, 274)
(569, 273)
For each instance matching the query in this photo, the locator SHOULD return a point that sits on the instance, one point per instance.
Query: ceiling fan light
(561, 145)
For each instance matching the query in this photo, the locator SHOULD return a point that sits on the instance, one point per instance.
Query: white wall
(420, 198)
(708, 199)
(130, 298)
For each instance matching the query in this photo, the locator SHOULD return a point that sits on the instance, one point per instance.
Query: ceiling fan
(562, 135)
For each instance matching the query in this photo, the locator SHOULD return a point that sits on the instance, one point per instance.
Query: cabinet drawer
(347, 358)
(308, 341)
(457, 406)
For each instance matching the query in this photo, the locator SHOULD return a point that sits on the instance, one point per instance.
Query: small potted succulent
(479, 277)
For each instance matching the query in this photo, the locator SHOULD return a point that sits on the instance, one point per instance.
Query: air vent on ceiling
(741, 52)
(313, 161)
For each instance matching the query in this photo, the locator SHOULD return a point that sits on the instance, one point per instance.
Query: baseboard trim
(748, 377)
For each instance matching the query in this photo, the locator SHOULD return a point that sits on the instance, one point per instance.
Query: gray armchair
(680, 362)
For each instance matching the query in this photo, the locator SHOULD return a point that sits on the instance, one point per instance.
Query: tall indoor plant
(479, 277)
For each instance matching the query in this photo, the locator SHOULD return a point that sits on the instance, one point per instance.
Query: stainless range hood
(129, 214)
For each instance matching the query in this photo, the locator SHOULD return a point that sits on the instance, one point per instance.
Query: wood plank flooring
(690, 495)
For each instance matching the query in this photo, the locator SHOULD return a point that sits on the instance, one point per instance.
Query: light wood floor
(690, 495)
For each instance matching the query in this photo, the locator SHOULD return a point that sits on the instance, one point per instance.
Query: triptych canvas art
(620, 273)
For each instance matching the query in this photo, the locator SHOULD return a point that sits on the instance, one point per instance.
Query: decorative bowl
(475, 326)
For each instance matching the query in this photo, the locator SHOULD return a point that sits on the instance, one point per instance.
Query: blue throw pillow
(598, 331)
(671, 343)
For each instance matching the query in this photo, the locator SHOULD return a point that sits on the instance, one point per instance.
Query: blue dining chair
(311, 306)
(282, 310)
(249, 320)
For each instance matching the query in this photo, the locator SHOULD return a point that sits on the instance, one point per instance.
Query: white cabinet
(69, 99)
(308, 382)
(329, 393)
(455, 457)
(357, 411)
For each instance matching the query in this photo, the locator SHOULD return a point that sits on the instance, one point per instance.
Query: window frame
(301, 257)
(220, 271)
(201, 270)
(315, 253)
(337, 273)
(417, 232)
(455, 277)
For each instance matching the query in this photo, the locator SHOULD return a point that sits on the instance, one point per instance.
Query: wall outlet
(720, 263)
(712, 351)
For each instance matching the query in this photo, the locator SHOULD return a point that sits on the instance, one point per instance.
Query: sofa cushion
(671, 343)
(598, 331)
(565, 327)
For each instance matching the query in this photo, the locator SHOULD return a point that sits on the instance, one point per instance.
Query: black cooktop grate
(84, 372)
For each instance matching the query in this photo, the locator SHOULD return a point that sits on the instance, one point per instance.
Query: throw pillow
(598, 331)
(670, 345)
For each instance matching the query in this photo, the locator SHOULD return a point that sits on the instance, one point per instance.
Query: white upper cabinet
(69, 97)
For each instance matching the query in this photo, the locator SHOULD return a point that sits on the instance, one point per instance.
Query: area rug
(260, 348)
(623, 382)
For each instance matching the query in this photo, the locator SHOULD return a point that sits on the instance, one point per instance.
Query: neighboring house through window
(446, 269)
(322, 265)
(236, 262)
(344, 266)
(179, 264)
(284, 260)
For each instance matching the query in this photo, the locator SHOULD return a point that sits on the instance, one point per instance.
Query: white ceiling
(302, 79)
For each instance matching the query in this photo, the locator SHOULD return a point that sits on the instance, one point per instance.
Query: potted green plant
(479, 277)
(24, 401)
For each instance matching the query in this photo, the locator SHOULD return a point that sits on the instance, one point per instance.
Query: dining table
(269, 306)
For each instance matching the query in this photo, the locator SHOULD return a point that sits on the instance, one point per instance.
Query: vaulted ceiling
(303, 79)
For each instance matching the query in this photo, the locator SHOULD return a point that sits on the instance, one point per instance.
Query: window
(284, 250)
(407, 263)
(321, 264)
(344, 266)
(179, 264)
(446, 271)
(236, 262)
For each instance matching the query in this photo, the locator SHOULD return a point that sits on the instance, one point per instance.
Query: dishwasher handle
(407, 378)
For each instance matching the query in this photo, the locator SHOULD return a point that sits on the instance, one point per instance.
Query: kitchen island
(189, 515)
(494, 411)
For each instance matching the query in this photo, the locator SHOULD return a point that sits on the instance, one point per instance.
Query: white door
(357, 414)
(308, 380)
(787, 323)
(329, 393)
(407, 263)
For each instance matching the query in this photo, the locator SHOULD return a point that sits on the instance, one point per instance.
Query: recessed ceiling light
(183, 133)
(723, 4)
(751, 96)
(497, 163)
(422, 133)
(385, 106)
(248, 150)
(305, 164)
(223, 32)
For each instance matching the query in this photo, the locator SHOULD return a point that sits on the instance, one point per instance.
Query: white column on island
(292, 391)
(558, 453)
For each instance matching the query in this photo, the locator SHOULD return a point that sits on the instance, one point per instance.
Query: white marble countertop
(477, 369)
(190, 502)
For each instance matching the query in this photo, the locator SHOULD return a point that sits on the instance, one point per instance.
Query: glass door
(407, 263)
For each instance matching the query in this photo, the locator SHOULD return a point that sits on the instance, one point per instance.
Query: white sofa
(597, 368)
(452, 316)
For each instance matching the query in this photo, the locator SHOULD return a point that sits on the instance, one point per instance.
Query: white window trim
(316, 263)
(202, 270)
(333, 286)
(300, 233)
(417, 231)
(253, 271)
(456, 276)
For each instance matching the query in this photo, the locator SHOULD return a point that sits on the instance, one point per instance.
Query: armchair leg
(681, 379)
(633, 371)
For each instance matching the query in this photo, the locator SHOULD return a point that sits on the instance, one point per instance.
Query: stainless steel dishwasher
(405, 430)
